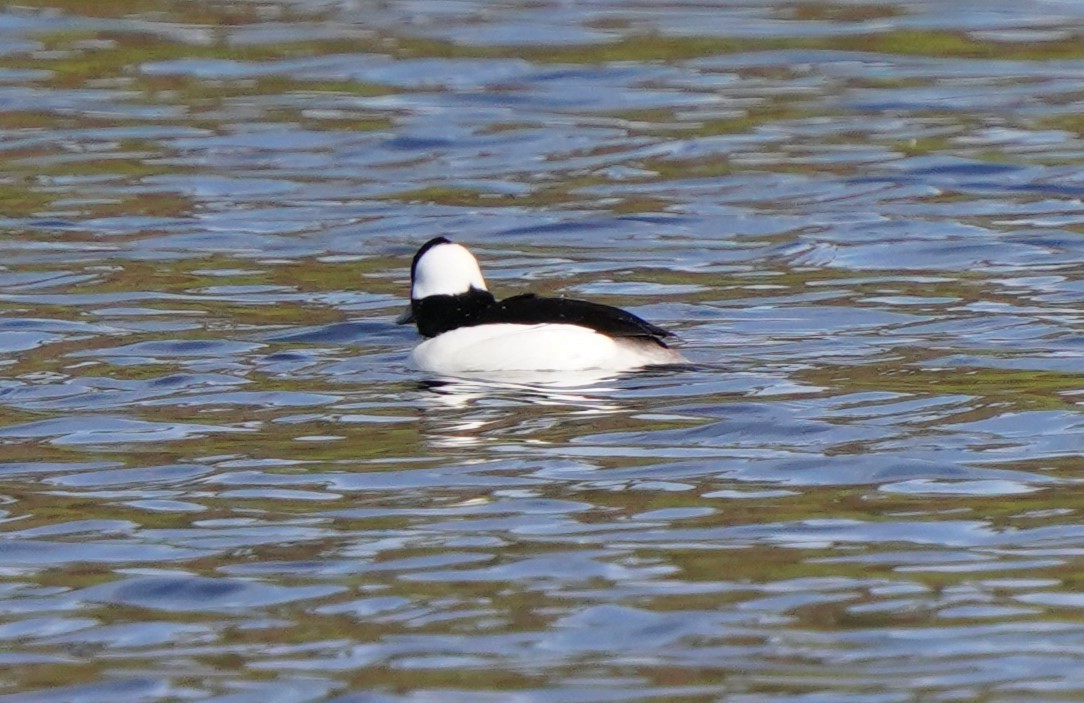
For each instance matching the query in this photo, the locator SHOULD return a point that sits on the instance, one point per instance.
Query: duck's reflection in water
(458, 412)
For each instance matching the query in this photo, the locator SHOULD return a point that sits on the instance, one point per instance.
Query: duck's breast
(545, 347)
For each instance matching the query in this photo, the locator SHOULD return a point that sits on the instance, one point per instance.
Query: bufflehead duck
(468, 332)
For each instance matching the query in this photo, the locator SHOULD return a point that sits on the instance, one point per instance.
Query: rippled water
(219, 481)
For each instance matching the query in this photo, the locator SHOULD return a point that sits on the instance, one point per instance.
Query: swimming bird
(467, 331)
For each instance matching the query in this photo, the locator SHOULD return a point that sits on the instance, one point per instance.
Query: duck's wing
(530, 309)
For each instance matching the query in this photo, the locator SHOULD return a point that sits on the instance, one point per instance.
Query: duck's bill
(406, 318)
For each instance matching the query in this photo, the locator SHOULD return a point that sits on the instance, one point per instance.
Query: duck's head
(441, 270)
(442, 267)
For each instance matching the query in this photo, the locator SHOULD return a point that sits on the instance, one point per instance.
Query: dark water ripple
(220, 482)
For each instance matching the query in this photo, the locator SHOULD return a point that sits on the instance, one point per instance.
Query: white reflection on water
(487, 403)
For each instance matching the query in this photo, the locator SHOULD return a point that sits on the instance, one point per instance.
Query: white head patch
(446, 269)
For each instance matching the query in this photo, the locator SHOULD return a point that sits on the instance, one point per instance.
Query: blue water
(220, 481)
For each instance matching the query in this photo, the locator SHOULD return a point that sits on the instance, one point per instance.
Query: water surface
(219, 480)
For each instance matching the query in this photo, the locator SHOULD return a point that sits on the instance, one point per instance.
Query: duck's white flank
(542, 347)
(446, 269)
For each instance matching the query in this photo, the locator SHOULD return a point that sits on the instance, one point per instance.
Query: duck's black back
(530, 309)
